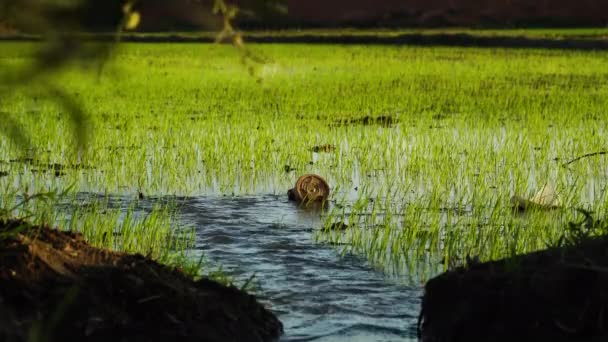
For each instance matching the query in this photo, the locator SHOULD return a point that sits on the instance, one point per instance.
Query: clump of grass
(153, 233)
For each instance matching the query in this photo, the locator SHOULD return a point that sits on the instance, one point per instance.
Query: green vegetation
(430, 143)
(152, 232)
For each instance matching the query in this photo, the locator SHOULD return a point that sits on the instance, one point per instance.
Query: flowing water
(319, 294)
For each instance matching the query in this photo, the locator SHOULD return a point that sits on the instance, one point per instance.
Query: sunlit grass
(469, 129)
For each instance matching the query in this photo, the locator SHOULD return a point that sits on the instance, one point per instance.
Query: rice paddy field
(423, 147)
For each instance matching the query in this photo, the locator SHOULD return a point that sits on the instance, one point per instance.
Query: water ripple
(318, 294)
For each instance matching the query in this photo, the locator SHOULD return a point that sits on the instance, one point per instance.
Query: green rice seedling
(431, 143)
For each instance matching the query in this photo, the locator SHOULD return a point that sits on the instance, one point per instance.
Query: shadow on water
(318, 294)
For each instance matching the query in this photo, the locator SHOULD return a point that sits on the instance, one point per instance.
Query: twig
(584, 156)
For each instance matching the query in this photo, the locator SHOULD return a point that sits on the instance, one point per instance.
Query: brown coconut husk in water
(309, 188)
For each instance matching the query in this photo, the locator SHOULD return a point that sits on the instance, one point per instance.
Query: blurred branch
(13, 130)
(76, 114)
(60, 25)
(67, 29)
(229, 13)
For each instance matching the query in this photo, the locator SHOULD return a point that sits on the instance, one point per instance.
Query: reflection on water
(318, 294)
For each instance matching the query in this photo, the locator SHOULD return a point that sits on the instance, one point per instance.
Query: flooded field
(191, 155)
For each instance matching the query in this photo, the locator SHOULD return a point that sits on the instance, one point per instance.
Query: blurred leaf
(67, 29)
(14, 130)
(76, 114)
(133, 21)
(131, 17)
(60, 25)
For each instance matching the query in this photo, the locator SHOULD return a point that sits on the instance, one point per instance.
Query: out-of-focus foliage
(59, 25)
(47, 16)
(68, 28)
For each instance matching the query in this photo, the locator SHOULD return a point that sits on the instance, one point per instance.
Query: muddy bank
(56, 286)
(559, 294)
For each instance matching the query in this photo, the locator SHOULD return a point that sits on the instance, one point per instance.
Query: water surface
(319, 294)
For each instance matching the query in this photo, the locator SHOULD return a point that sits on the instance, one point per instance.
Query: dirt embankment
(56, 287)
(559, 294)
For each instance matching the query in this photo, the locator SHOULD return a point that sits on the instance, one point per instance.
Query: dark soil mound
(559, 294)
(55, 286)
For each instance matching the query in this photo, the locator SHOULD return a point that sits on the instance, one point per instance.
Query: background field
(428, 144)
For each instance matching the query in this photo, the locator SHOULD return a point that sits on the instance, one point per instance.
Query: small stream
(318, 294)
